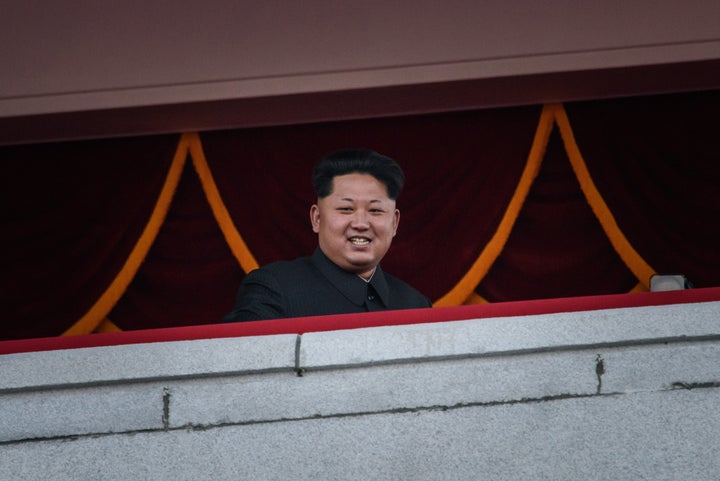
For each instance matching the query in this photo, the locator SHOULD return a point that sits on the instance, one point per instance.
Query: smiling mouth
(359, 241)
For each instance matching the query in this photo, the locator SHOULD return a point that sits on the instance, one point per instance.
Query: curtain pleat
(70, 214)
(656, 160)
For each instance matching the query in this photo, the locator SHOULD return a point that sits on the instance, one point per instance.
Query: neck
(367, 276)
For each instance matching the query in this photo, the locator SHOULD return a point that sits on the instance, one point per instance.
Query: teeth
(359, 241)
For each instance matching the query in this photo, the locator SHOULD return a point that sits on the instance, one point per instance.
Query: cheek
(333, 224)
(386, 229)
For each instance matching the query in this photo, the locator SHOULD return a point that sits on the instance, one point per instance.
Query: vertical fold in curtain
(106, 302)
(189, 275)
(465, 288)
(656, 162)
(558, 247)
(71, 213)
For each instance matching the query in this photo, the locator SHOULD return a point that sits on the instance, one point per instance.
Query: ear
(315, 218)
(396, 221)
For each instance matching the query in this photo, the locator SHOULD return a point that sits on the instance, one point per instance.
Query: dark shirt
(314, 286)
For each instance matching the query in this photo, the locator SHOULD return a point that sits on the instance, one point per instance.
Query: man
(355, 218)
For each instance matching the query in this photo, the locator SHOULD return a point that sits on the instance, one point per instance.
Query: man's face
(356, 222)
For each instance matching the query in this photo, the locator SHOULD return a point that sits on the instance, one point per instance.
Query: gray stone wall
(627, 393)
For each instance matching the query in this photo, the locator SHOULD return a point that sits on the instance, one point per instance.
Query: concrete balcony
(618, 387)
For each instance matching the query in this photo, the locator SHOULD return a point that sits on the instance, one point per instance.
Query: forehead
(356, 186)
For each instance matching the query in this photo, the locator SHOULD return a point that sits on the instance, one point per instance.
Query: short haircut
(361, 161)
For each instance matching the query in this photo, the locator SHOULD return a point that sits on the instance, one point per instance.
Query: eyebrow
(350, 199)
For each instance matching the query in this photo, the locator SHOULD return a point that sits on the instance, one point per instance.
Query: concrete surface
(610, 394)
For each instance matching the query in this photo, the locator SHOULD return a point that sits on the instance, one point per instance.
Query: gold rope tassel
(237, 244)
(102, 307)
(622, 246)
(464, 289)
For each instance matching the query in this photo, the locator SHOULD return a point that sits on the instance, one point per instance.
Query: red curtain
(557, 247)
(657, 162)
(72, 212)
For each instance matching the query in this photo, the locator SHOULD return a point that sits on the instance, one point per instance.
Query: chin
(361, 264)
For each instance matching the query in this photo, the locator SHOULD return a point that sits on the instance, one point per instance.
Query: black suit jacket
(314, 286)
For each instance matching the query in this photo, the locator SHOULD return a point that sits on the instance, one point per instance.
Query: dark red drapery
(72, 212)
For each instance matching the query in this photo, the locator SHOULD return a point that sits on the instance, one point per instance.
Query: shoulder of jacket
(283, 269)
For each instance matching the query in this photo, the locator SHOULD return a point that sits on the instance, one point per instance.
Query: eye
(344, 209)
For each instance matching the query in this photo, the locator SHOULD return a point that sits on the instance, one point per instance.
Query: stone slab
(657, 367)
(624, 326)
(667, 435)
(73, 412)
(133, 362)
(442, 384)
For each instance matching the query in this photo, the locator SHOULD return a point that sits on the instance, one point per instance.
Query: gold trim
(632, 259)
(106, 326)
(464, 288)
(237, 244)
(102, 307)
(475, 298)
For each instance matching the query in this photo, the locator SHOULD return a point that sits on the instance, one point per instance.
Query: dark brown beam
(363, 103)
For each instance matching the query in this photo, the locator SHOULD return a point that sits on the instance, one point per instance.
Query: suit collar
(349, 284)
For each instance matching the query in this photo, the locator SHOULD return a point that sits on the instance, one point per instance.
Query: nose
(360, 220)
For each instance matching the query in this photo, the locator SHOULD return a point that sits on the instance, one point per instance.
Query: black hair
(362, 161)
